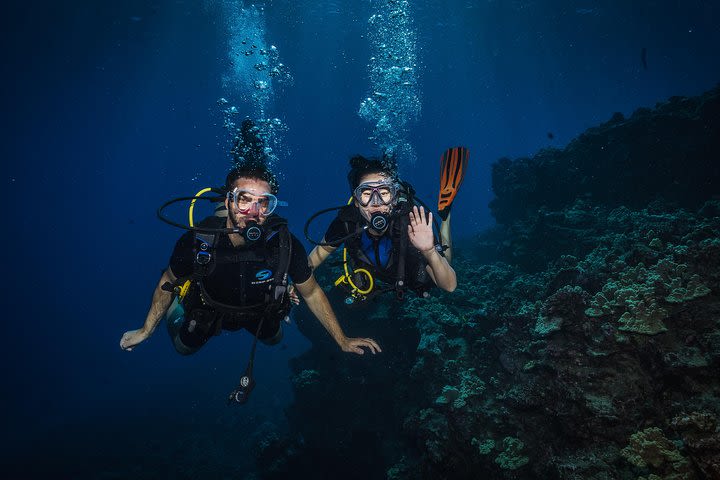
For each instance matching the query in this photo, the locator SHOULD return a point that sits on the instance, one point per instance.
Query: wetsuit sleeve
(299, 269)
(335, 231)
(182, 259)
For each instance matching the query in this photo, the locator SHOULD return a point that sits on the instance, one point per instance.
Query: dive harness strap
(400, 276)
(241, 393)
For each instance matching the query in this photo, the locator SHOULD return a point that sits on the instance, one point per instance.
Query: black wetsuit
(380, 255)
(240, 277)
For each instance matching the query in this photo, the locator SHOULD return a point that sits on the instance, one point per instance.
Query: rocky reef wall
(669, 152)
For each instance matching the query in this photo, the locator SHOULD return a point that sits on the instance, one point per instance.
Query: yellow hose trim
(347, 278)
(192, 204)
(359, 270)
(184, 289)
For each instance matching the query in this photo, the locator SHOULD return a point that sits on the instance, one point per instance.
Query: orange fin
(453, 165)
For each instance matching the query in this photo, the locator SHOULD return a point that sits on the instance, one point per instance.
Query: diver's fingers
(374, 347)
(429, 219)
(421, 215)
(370, 344)
(356, 345)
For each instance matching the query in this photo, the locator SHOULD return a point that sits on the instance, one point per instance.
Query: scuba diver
(232, 272)
(389, 237)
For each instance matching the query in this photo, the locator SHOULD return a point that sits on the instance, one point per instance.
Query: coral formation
(650, 449)
(305, 378)
(511, 457)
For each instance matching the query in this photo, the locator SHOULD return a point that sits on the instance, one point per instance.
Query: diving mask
(376, 193)
(245, 201)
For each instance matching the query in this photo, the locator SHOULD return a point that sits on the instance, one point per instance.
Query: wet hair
(250, 159)
(361, 166)
(255, 171)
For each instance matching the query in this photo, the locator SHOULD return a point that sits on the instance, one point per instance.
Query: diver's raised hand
(353, 345)
(420, 229)
(132, 338)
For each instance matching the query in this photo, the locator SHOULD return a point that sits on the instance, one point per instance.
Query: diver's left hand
(356, 345)
(420, 229)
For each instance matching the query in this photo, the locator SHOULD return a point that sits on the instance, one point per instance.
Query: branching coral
(483, 447)
(511, 458)
(470, 386)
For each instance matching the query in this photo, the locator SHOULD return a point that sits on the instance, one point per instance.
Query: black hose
(335, 243)
(162, 217)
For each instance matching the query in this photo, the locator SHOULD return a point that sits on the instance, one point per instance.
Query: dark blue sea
(113, 108)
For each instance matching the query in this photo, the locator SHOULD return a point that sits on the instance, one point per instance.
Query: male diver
(387, 236)
(232, 273)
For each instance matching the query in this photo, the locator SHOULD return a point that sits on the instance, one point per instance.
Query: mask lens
(245, 202)
(363, 195)
(386, 195)
(375, 193)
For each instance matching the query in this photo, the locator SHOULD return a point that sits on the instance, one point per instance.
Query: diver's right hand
(132, 338)
(294, 297)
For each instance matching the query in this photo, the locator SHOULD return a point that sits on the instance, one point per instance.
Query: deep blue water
(112, 109)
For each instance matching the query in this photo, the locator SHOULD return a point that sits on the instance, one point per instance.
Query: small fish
(550, 135)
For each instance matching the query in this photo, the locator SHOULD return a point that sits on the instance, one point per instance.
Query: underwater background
(583, 340)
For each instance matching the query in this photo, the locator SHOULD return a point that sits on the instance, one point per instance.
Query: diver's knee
(191, 333)
(183, 349)
(275, 339)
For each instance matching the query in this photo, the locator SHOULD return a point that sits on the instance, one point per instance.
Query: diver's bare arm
(319, 254)
(160, 302)
(440, 270)
(447, 237)
(319, 305)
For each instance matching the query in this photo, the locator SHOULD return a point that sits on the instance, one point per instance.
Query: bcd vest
(265, 260)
